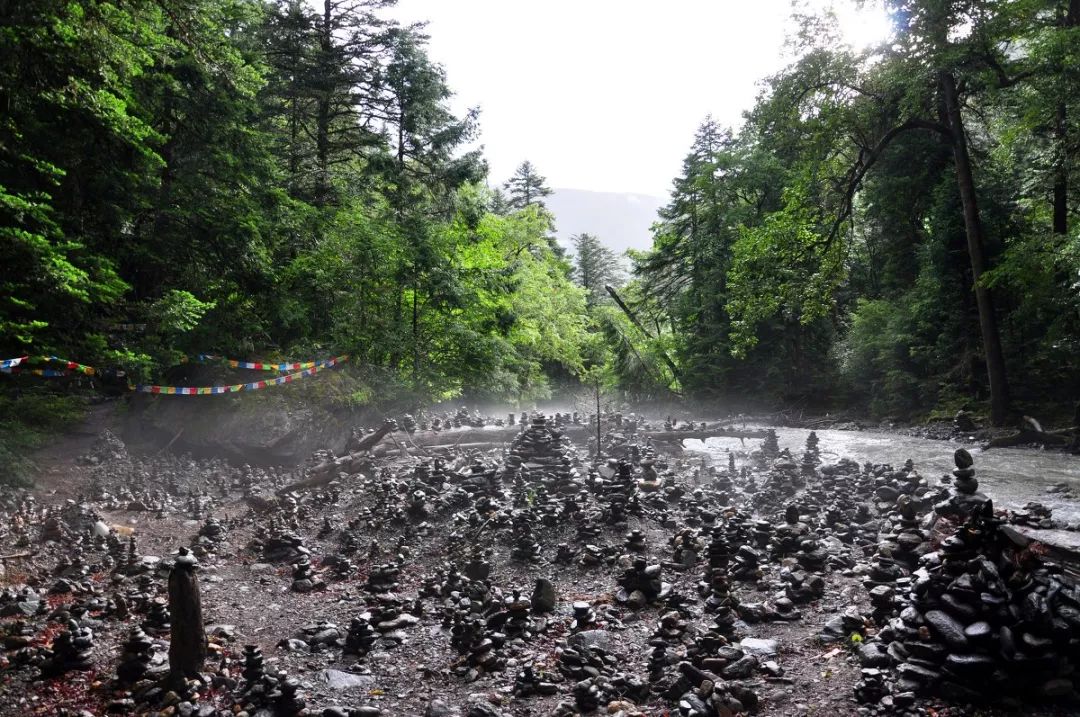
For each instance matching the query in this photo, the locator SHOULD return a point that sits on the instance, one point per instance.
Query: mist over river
(1010, 476)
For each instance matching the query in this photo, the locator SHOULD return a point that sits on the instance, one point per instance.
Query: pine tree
(527, 187)
(324, 94)
(595, 267)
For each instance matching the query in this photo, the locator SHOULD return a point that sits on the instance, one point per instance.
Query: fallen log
(579, 432)
(501, 434)
(634, 320)
(1031, 432)
(1031, 437)
(668, 436)
(384, 449)
(372, 439)
(326, 472)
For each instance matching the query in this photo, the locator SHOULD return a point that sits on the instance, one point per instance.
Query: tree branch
(868, 157)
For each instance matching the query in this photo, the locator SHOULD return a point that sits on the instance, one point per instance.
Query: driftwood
(423, 443)
(1028, 436)
(492, 437)
(426, 450)
(1032, 432)
(325, 473)
(667, 436)
(483, 439)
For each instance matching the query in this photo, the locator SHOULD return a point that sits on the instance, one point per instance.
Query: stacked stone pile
(978, 619)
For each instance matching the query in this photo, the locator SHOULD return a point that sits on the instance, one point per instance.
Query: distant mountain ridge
(620, 220)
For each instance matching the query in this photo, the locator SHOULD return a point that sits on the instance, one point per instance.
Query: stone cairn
(211, 536)
(158, 621)
(641, 585)
(540, 445)
(304, 579)
(525, 547)
(361, 637)
(770, 447)
(72, 650)
(981, 619)
(263, 693)
(529, 681)
(138, 652)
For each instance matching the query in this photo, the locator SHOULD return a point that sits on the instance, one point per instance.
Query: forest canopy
(892, 229)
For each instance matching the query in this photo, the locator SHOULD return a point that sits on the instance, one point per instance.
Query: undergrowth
(27, 421)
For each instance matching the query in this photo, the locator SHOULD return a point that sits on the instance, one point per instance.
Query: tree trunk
(415, 339)
(1061, 175)
(634, 320)
(1061, 171)
(322, 122)
(995, 360)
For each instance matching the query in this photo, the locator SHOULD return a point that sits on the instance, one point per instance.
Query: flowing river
(1010, 476)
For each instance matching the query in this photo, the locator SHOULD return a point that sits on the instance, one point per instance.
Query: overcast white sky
(606, 94)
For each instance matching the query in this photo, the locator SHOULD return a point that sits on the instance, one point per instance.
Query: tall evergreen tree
(595, 267)
(424, 170)
(527, 187)
(325, 95)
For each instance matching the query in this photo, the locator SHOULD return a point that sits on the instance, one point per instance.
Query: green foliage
(265, 179)
(277, 178)
(27, 422)
(179, 311)
(822, 252)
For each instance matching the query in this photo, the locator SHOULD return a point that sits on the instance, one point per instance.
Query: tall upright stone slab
(187, 645)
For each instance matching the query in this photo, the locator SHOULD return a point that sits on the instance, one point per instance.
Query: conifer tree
(527, 187)
(595, 267)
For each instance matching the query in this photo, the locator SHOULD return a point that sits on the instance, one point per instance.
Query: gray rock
(20, 609)
(338, 680)
(594, 638)
(948, 629)
(1056, 688)
(758, 646)
(544, 598)
(833, 630)
(918, 673)
(741, 668)
(402, 620)
(871, 654)
(294, 645)
(888, 493)
(226, 631)
(328, 636)
(438, 708)
(978, 631)
(970, 666)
